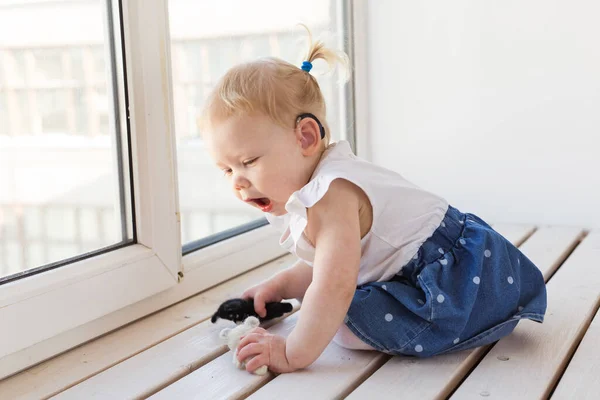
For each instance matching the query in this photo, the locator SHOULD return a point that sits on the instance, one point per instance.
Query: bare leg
(345, 338)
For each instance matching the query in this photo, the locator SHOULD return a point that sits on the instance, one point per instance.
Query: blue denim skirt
(467, 286)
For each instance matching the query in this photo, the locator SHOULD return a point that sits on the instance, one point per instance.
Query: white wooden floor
(176, 354)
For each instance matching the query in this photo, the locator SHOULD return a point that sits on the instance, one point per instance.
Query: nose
(240, 182)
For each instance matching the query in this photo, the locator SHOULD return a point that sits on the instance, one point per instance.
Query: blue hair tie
(306, 66)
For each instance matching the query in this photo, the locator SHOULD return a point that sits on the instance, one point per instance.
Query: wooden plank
(81, 363)
(333, 372)
(514, 233)
(528, 363)
(437, 377)
(412, 378)
(158, 367)
(333, 375)
(220, 379)
(580, 380)
(550, 246)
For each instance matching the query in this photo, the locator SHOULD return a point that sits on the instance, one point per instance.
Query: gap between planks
(580, 380)
(336, 373)
(81, 363)
(529, 362)
(158, 367)
(438, 377)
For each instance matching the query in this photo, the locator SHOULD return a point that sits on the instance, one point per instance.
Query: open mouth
(263, 203)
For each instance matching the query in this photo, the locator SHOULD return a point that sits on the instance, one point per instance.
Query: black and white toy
(237, 310)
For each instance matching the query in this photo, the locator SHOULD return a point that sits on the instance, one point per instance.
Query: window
(207, 38)
(62, 192)
(88, 118)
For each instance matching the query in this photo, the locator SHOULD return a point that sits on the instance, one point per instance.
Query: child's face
(264, 162)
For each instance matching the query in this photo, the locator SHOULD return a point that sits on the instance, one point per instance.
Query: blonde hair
(272, 87)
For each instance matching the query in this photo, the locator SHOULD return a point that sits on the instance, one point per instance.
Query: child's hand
(265, 349)
(263, 293)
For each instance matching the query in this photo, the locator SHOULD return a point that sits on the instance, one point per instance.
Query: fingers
(259, 305)
(253, 336)
(250, 350)
(259, 300)
(248, 294)
(257, 362)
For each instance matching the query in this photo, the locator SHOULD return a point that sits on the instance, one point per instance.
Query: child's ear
(308, 135)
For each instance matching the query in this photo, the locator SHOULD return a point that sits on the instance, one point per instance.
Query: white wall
(494, 105)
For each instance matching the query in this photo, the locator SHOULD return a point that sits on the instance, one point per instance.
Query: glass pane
(61, 192)
(52, 111)
(207, 38)
(47, 66)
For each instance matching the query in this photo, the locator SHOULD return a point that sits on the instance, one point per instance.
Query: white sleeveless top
(404, 216)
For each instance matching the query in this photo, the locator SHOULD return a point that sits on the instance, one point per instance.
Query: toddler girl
(383, 264)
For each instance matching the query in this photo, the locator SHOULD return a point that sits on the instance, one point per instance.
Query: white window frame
(48, 313)
(67, 297)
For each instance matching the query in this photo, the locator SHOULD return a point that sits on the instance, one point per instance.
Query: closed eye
(250, 161)
(226, 171)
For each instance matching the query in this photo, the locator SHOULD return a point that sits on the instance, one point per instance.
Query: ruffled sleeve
(298, 204)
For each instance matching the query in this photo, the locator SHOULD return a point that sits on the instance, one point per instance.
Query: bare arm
(288, 284)
(294, 281)
(335, 223)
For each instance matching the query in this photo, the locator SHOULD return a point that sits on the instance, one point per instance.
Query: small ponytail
(318, 51)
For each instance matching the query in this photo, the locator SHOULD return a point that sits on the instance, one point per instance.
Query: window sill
(84, 300)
